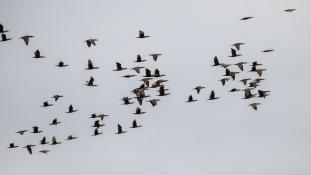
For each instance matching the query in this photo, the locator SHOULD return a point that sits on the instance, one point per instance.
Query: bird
(97, 124)
(37, 54)
(244, 81)
(21, 132)
(146, 81)
(262, 93)
(153, 102)
(141, 34)
(148, 73)
(35, 129)
(138, 111)
(254, 105)
(225, 65)
(128, 76)
(2, 29)
(91, 42)
(248, 94)
(54, 141)
(71, 137)
(258, 80)
(90, 65)
(135, 125)
(120, 131)
(4, 37)
(162, 91)
(240, 65)
(255, 63)
(234, 53)
(91, 82)
(232, 75)
(216, 62)
(246, 18)
(253, 84)
(158, 83)
(199, 88)
(137, 69)
(268, 50)
(155, 56)
(29, 148)
(101, 116)
(12, 145)
(139, 59)
(259, 71)
(55, 122)
(56, 97)
(224, 80)
(289, 10)
(234, 90)
(71, 110)
(212, 96)
(126, 100)
(96, 132)
(26, 38)
(190, 99)
(44, 151)
(43, 141)
(238, 45)
(61, 64)
(157, 73)
(119, 67)
(46, 104)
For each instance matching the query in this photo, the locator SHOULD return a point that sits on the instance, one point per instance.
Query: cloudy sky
(220, 137)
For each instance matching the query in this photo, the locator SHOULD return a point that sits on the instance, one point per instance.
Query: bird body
(26, 38)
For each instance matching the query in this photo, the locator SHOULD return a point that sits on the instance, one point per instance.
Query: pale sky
(207, 137)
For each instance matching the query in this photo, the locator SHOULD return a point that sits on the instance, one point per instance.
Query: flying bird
(157, 73)
(54, 141)
(29, 148)
(234, 53)
(4, 37)
(126, 100)
(55, 122)
(138, 111)
(21, 132)
(212, 96)
(12, 145)
(119, 67)
(97, 124)
(101, 116)
(234, 90)
(139, 59)
(61, 64)
(44, 151)
(137, 69)
(155, 56)
(262, 93)
(120, 131)
(43, 141)
(37, 54)
(91, 82)
(71, 110)
(237, 45)
(128, 76)
(268, 50)
(153, 102)
(254, 105)
(135, 125)
(2, 29)
(246, 18)
(56, 97)
(190, 99)
(240, 65)
(35, 129)
(91, 42)
(96, 132)
(289, 10)
(244, 81)
(26, 38)
(90, 65)
(162, 91)
(141, 34)
(199, 88)
(224, 80)
(248, 94)
(71, 137)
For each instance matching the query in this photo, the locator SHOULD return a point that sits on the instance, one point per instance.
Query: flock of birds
(148, 81)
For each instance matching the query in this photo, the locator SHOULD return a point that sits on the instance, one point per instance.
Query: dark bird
(237, 45)
(71, 110)
(157, 73)
(162, 91)
(37, 54)
(227, 72)
(26, 39)
(97, 124)
(61, 64)
(258, 80)
(29, 148)
(43, 141)
(90, 65)
(199, 88)
(21, 132)
(35, 129)
(212, 96)
(91, 42)
(101, 116)
(232, 75)
(55, 122)
(91, 82)
(255, 63)
(146, 80)
(54, 141)
(44, 151)
(225, 65)
(142, 35)
(253, 84)
(126, 100)
(268, 50)
(248, 94)
(138, 111)
(56, 97)
(240, 65)
(246, 18)
(216, 62)
(120, 131)
(2, 29)
(12, 145)
(153, 102)
(139, 59)
(234, 53)
(244, 81)
(4, 38)
(135, 125)
(289, 10)
(128, 76)
(119, 67)
(234, 90)
(71, 137)
(190, 99)
(224, 80)
(262, 93)
(148, 73)
(155, 56)
(254, 105)
(137, 69)
(96, 132)
(46, 104)
(259, 71)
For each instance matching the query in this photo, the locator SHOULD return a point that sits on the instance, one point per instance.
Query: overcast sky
(219, 137)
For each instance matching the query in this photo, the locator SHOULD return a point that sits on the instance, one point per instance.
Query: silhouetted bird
(101, 116)
(44, 151)
(240, 65)
(234, 90)
(43, 141)
(54, 141)
(139, 59)
(2, 29)
(190, 99)
(71, 110)
(155, 56)
(91, 82)
(254, 105)
(212, 96)
(153, 102)
(138, 111)
(29, 148)
(126, 100)
(259, 71)
(157, 73)
(255, 63)
(248, 94)
(120, 131)
(268, 50)
(237, 45)
(56, 97)
(21, 132)
(12, 145)
(246, 18)
(199, 88)
(262, 93)
(91, 42)
(35, 129)
(148, 73)
(244, 81)
(234, 53)
(142, 35)
(128, 76)
(289, 10)
(137, 69)
(71, 137)
(61, 64)
(224, 80)
(46, 104)
(162, 91)
(119, 67)
(96, 132)
(97, 124)
(37, 54)
(26, 39)
(4, 38)
(253, 84)
(232, 75)
(216, 62)
(135, 125)
(90, 65)
(55, 122)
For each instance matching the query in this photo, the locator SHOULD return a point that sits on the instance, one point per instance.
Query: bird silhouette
(46, 104)
(29, 148)
(138, 111)
(268, 50)
(237, 45)
(254, 105)
(162, 91)
(212, 96)
(248, 93)
(155, 56)
(119, 67)
(141, 34)
(91, 82)
(26, 38)
(35, 129)
(44, 151)
(61, 64)
(2, 29)
(246, 18)
(234, 53)
(153, 102)
(240, 65)
(12, 145)
(190, 99)
(56, 97)
(224, 80)
(21, 132)
(126, 100)
(54, 141)
(4, 37)
(90, 65)
(96, 132)
(289, 10)
(43, 141)
(97, 124)
(55, 122)
(135, 125)
(71, 137)
(91, 42)
(37, 54)
(139, 59)
(137, 69)
(120, 131)
(262, 93)
(101, 116)
(71, 110)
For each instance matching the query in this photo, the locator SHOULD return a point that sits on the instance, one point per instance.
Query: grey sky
(220, 137)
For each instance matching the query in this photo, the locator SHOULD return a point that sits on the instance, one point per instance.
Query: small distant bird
(148, 73)
(90, 65)
(141, 34)
(128, 76)
(55, 122)
(137, 69)
(12, 145)
(255, 63)
(101, 116)
(2, 29)
(212, 96)
(190, 99)
(259, 71)
(289, 10)
(26, 39)
(234, 90)
(162, 91)
(216, 62)
(4, 38)
(135, 125)
(225, 65)
(56, 97)
(61, 64)
(246, 18)
(29, 148)
(199, 88)
(232, 75)
(37, 54)
(268, 50)
(155, 56)
(21, 132)
(96, 132)
(258, 80)
(157, 73)
(138, 111)
(248, 94)
(91, 42)
(54, 141)
(35, 129)
(139, 59)
(71, 110)
(234, 53)
(119, 67)
(253, 84)
(254, 105)
(237, 45)
(120, 131)
(126, 100)
(146, 80)
(262, 93)
(46, 104)
(244, 81)
(43, 141)
(224, 80)
(97, 124)
(44, 151)
(240, 65)
(71, 137)
(91, 82)
(153, 102)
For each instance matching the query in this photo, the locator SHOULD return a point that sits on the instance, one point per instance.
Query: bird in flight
(246, 18)
(119, 67)
(35, 129)
(138, 111)
(44, 151)
(90, 65)
(153, 102)
(141, 34)
(46, 104)
(56, 97)
(234, 53)
(71, 110)
(289, 10)
(26, 38)
(55, 122)
(54, 141)
(91, 82)
(91, 42)
(268, 50)
(237, 45)
(212, 96)
(12, 145)
(29, 148)
(71, 137)
(96, 132)
(21, 132)
(120, 131)
(37, 54)
(254, 105)
(101, 116)
(155, 56)
(61, 64)
(135, 125)
(4, 37)
(2, 29)
(43, 141)
(190, 99)
(139, 59)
